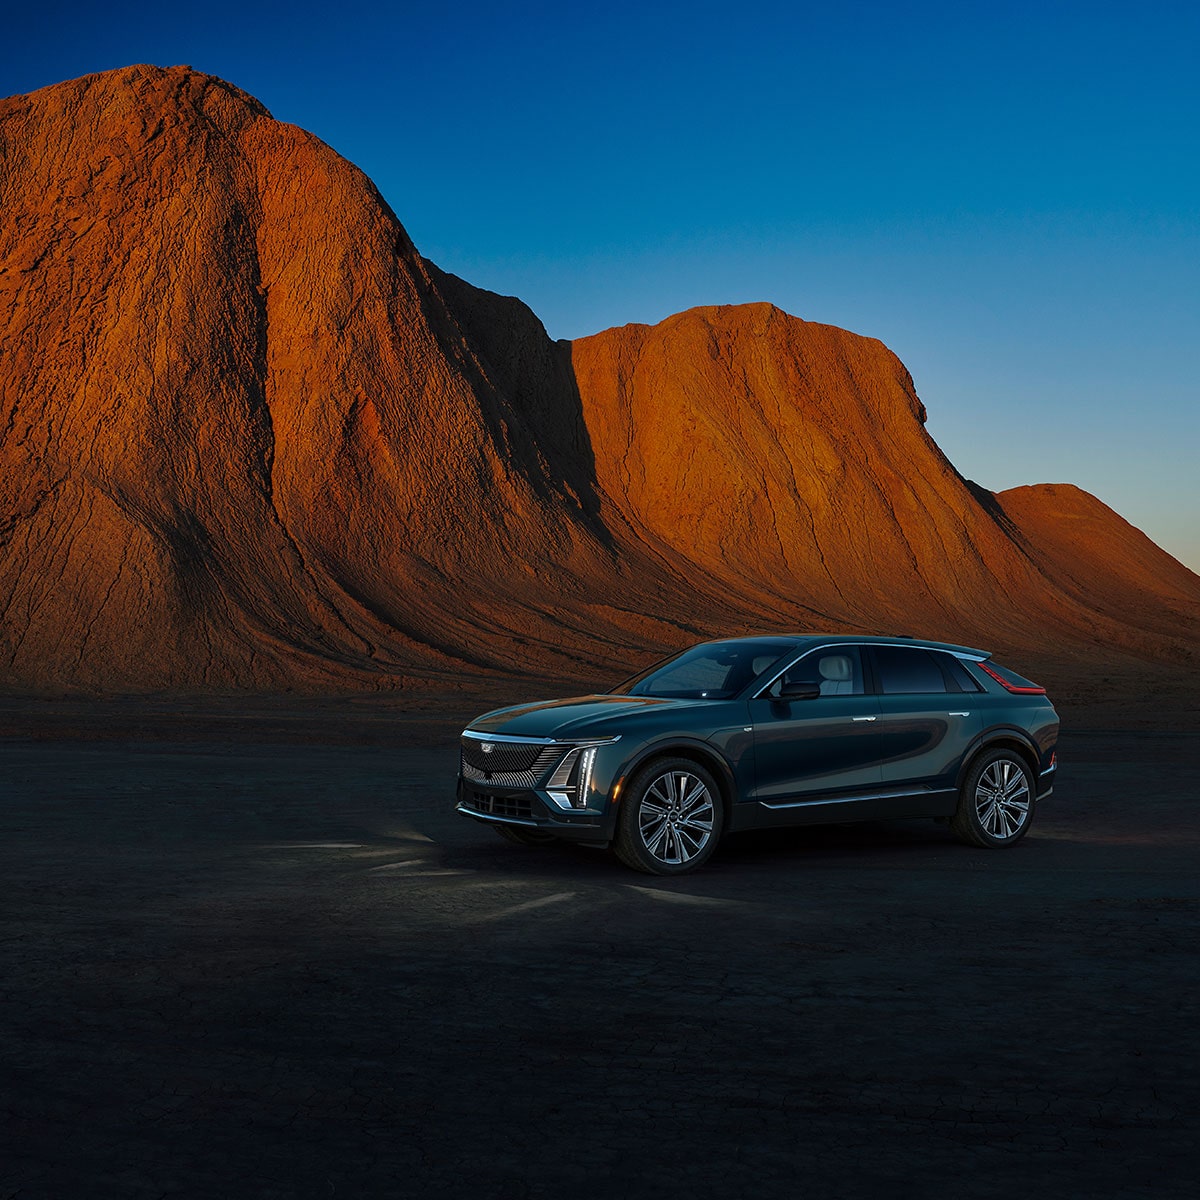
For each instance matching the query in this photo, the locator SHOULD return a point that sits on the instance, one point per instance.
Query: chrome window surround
(860, 646)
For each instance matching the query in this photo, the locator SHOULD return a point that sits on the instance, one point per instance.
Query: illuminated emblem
(487, 747)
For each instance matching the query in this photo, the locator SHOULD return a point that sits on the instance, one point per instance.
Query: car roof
(800, 640)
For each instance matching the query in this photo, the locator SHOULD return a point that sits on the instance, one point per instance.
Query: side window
(907, 670)
(957, 672)
(837, 670)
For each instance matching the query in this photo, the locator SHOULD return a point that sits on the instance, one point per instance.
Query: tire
(996, 802)
(671, 818)
(525, 837)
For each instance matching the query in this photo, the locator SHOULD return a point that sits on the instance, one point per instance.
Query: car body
(770, 731)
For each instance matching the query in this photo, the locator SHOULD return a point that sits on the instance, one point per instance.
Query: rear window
(1010, 679)
(904, 670)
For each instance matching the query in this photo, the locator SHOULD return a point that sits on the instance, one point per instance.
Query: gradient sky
(1008, 195)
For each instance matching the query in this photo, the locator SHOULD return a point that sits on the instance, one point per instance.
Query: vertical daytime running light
(584, 784)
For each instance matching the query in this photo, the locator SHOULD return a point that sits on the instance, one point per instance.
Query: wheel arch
(1002, 739)
(702, 754)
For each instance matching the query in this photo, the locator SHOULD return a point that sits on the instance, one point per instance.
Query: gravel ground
(271, 966)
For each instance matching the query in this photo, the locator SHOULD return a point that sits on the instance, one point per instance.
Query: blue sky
(1008, 195)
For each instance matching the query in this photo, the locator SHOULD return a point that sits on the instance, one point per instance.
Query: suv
(760, 732)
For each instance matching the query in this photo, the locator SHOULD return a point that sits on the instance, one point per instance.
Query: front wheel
(996, 801)
(670, 818)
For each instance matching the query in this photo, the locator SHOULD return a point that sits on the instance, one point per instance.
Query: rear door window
(907, 670)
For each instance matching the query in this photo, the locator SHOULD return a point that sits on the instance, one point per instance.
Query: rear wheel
(996, 802)
(525, 837)
(670, 818)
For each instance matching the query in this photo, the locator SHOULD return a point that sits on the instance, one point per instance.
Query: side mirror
(800, 689)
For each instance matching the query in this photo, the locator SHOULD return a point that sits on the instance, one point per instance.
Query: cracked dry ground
(256, 965)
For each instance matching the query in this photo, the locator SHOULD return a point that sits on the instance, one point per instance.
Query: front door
(811, 754)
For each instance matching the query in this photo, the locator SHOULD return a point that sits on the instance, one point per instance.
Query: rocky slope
(250, 438)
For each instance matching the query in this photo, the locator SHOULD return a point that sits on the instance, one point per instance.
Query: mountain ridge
(252, 439)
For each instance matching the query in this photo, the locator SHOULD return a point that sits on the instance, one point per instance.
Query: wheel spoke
(660, 837)
(655, 789)
(653, 823)
(671, 850)
(1002, 830)
(1015, 786)
(987, 817)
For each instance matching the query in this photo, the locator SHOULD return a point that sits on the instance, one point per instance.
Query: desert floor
(248, 950)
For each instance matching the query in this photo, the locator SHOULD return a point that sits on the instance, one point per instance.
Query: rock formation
(250, 438)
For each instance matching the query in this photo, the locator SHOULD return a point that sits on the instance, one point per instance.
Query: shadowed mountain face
(250, 438)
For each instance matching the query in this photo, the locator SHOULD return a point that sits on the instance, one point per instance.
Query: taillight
(1031, 689)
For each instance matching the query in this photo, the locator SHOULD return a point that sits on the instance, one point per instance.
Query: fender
(1001, 733)
(697, 746)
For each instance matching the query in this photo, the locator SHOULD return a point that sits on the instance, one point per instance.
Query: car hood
(575, 717)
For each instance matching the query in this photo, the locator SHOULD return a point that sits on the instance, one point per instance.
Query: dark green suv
(761, 732)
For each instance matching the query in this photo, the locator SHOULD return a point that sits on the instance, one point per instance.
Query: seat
(837, 675)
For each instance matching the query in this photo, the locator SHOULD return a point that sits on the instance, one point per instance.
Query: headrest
(836, 668)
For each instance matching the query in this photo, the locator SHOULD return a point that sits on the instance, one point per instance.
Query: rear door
(927, 722)
(806, 751)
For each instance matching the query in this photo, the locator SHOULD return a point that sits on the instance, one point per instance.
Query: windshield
(713, 671)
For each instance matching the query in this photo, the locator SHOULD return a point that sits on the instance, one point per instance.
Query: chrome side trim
(1048, 771)
(852, 799)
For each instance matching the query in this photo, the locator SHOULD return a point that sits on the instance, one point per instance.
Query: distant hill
(250, 438)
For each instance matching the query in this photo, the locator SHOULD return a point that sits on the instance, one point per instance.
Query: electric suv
(763, 732)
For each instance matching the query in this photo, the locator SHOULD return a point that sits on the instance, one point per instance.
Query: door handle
(862, 718)
(958, 714)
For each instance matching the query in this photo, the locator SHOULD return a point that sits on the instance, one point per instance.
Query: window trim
(869, 674)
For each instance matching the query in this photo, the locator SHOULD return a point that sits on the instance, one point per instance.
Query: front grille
(510, 764)
(503, 756)
(501, 806)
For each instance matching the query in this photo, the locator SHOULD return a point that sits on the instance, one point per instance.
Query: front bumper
(527, 807)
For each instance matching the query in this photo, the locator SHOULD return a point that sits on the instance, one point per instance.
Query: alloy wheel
(1002, 799)
(676, 817)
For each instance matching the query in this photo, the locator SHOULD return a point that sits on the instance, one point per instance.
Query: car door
(816, 752)
(927, 722)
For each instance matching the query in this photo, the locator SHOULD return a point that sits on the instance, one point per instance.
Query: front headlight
(570, 785)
